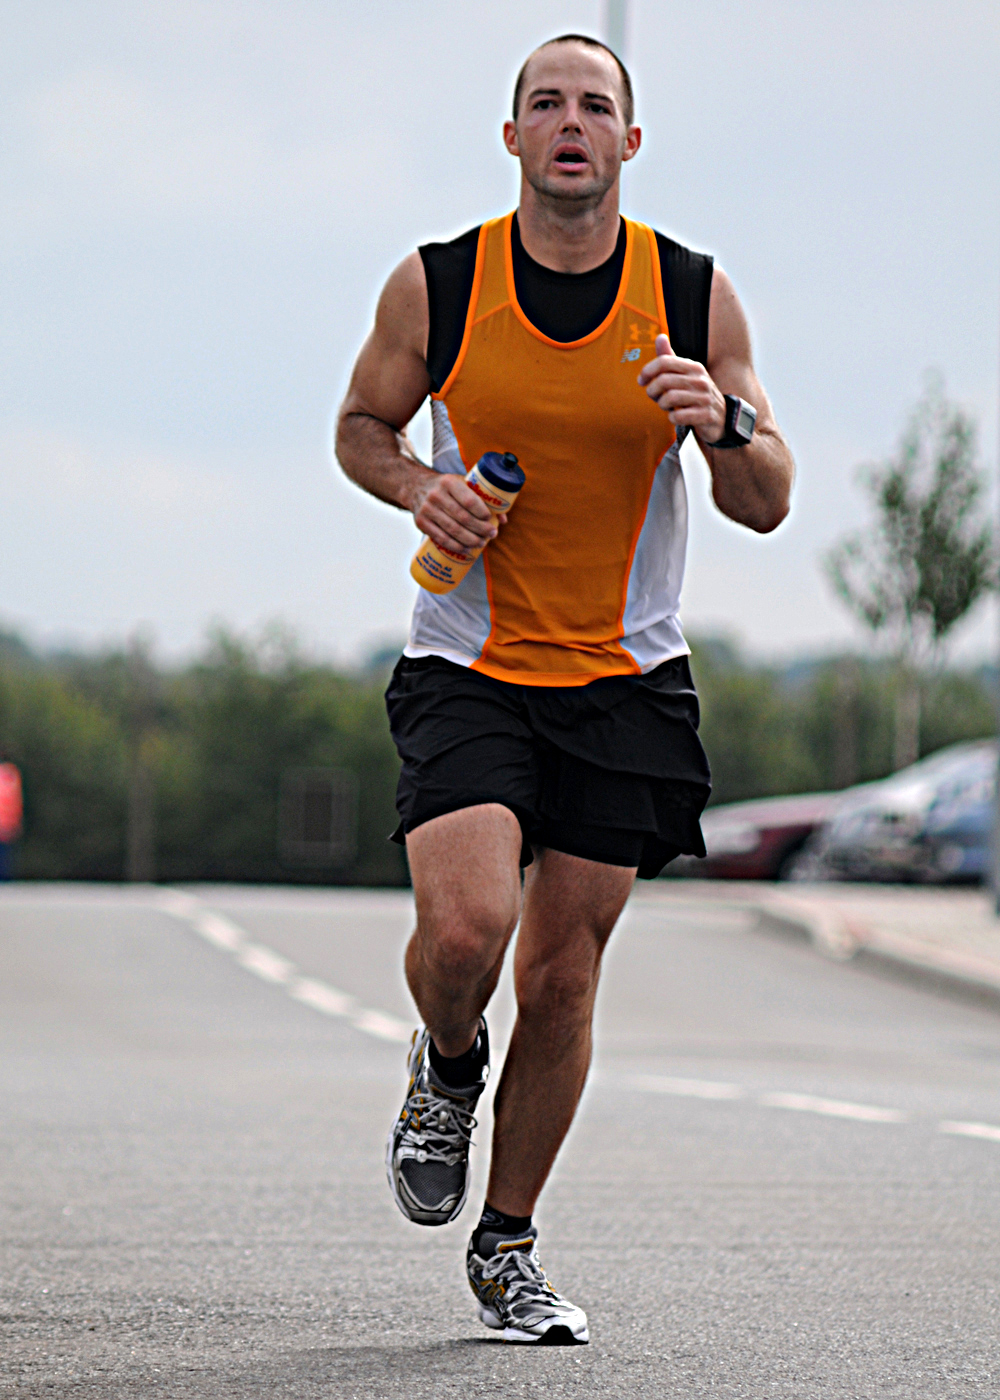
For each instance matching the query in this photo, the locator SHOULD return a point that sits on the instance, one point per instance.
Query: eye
(543, 104)
(599, 107)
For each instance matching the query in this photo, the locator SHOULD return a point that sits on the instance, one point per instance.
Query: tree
(928, 557)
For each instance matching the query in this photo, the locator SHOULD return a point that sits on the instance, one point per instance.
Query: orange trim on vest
(477, 279)
(512, 292)
(661, 306)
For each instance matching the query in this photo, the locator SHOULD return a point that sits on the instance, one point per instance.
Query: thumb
(662, 346)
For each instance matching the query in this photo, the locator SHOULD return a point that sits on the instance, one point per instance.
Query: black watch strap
(741, 419)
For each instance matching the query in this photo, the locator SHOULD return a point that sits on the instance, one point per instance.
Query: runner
(544, 710)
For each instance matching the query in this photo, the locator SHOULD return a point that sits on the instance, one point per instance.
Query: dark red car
(757, 840)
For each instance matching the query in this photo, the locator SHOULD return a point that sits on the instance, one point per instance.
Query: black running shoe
(514, 1295)
(427, 1154)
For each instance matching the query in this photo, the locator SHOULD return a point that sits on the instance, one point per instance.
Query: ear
(510, 138)
(633, 140)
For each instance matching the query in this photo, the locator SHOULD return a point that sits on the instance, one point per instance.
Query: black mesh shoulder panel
(450, 269)
(687, 288)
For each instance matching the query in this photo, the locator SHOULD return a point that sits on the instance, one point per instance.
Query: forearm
(380, 459)
(752, 485)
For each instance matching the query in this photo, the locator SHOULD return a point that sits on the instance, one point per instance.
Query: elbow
(771, 519)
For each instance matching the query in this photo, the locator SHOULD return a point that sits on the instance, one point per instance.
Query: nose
(571, 118)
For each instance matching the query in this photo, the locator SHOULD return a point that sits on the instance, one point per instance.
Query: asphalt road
(782, 1183)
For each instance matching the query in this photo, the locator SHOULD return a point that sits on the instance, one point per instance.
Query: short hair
(628, 109)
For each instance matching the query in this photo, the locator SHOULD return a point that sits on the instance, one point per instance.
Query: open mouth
(571, 158)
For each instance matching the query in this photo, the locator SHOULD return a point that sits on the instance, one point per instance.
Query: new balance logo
(632, 354)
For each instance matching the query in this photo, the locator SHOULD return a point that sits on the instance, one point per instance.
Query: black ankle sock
(462, 1071)
(497, 1222)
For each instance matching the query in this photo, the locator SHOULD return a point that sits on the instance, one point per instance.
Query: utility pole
(616, 25)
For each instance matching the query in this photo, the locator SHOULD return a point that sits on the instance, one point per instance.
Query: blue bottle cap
(502, 470)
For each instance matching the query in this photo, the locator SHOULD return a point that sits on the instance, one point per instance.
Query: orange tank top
(550, 600)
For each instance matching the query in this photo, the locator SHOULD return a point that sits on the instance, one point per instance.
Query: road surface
(783, 1181)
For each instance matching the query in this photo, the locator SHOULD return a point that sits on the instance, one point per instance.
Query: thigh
(571, 906)
(465, 871)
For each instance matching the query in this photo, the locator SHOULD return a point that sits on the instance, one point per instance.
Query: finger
(672, 379)
(469, 532)
(680, 398)
(467, 498)
(669, 363)
(662, 345)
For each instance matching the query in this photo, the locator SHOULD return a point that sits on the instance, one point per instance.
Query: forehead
(573, 67)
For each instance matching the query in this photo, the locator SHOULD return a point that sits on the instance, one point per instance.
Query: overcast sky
(201, 199)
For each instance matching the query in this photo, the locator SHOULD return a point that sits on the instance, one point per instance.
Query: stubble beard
(571, 200)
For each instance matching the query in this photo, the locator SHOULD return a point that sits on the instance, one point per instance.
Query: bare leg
(570, 907)
(466, 879)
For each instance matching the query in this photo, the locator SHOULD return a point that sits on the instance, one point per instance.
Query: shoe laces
(442, 1126)
(525, 1284)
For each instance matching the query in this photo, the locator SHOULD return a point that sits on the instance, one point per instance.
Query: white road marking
(271, 967)
(687, 1088)
(322, 997)
(833, 1108)
(973, 1130)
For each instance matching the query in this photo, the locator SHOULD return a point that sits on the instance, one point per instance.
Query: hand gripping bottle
(497, 479)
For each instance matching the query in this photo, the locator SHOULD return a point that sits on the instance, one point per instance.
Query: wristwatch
(741, 419)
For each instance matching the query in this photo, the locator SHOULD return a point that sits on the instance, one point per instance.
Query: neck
(565, 236)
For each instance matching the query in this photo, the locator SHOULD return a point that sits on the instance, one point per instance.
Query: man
(544, 710)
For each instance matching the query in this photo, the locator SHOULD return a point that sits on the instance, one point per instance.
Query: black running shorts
(612, 771)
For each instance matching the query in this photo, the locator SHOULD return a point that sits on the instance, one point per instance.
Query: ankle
(462, 1071)
(499, 1223)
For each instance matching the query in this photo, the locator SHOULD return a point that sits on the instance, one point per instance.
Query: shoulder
(687, 278)
(449, 270)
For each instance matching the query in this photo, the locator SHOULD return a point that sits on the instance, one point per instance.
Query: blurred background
(199, 612)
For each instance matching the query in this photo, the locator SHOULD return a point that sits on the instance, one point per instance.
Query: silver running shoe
(427, 1154)
(514, 1294)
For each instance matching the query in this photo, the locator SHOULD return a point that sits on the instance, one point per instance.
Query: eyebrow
(558, 92)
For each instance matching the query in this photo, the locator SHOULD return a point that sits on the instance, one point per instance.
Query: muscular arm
(752, 484)
(389, 383)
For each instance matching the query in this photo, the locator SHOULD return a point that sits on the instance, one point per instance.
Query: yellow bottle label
(440, 570)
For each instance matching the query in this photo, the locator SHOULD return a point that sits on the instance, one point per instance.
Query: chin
(572, 191)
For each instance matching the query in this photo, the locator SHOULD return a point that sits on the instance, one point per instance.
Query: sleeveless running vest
(584, 580)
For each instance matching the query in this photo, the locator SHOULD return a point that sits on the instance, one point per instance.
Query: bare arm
(389, 383)
(752, 484)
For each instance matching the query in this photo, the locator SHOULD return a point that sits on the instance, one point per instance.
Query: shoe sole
(558, 1335)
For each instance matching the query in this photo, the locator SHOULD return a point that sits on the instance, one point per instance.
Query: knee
(462, 950)
(559, 988)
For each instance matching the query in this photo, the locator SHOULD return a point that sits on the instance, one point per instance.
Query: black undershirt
(566, 306)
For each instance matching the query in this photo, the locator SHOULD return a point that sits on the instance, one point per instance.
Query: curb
(837, 936)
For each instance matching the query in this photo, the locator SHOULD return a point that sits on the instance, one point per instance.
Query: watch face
(745, 420)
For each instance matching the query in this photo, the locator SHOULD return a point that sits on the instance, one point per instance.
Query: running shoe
(427, 1155)
(514, 1294)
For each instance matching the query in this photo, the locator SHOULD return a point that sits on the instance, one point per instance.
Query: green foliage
(929, 556)
(220, 736)
(71, 754)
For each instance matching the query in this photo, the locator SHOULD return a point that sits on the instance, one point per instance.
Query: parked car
(758, 840)
(931, 822)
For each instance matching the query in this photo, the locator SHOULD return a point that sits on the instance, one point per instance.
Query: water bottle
(496, 478)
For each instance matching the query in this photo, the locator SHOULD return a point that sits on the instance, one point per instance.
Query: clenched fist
(685, 391)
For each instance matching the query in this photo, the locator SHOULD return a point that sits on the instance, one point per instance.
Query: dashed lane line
(271, 967)
(833, 1108)
(802, 1103)
(973, 1130)
(687, 1088)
